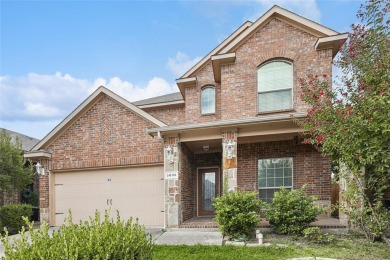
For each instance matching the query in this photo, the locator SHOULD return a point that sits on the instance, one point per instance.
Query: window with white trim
(208, 100)
(273, 174)
(274, 85)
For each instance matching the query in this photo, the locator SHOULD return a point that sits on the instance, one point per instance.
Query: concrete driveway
(184, 236)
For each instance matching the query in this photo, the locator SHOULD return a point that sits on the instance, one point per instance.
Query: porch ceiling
(205, 146)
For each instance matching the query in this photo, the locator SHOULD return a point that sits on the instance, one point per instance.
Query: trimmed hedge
(11, 217)
(98, 238)
(291, 211)
(237, 214)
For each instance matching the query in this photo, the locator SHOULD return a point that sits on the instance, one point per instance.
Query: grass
(342, 248)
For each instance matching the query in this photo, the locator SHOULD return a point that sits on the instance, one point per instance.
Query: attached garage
(136, 192)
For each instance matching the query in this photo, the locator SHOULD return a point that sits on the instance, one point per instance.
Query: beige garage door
(136, 192)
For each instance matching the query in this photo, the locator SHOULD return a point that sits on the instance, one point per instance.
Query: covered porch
(255, 154)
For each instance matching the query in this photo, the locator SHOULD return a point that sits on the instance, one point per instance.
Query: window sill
(208, 114)
(276, 111)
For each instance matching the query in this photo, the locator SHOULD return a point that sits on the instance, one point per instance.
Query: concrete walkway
(187, 236)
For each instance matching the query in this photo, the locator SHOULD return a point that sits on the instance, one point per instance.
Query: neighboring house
(164, 158)
(27, 144)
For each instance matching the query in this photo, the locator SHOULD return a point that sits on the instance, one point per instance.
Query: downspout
(162, 141)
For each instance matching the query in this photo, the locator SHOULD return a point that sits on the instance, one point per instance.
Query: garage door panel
(135, 192)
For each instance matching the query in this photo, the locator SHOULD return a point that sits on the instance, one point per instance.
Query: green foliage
(11, 217)
(316, 235)
(30, 197)
(14, 176)
(291, 211)
(342, 248)
(237, 213)
(94, 239)
(351, 122)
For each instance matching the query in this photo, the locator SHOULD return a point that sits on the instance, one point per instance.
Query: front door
(208, 188)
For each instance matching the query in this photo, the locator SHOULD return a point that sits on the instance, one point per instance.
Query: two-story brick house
(232, 123)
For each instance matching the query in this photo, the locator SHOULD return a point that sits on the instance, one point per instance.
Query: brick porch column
(44, 194)
(172, 182)
(229, 160)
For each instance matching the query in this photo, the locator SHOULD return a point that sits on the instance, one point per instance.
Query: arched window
(274, 85)
(208, 100)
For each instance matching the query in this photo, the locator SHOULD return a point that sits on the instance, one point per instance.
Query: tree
(14, 175)
(351, 123)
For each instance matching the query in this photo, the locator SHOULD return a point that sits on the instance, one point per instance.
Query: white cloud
(37, 99)
(306, 8)
(39, 109)
(181, 64)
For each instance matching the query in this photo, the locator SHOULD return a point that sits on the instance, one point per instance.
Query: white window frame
(259, 92)
(201, 99)
(275, 187)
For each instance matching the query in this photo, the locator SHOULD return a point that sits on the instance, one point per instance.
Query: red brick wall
(170, 116)
(108, 134)
(188, 183)
(309, 166)
(192, 97)
(237, 94)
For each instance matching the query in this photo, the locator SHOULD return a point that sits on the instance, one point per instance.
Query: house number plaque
(171, 175)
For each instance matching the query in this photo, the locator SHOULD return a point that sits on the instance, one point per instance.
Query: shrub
(11, 217)
(291, 211)
(94, 239)
(237, 213)
(316, 235)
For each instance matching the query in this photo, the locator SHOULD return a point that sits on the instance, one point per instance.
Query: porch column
(172, 182)
(44, 198)
(229, 160)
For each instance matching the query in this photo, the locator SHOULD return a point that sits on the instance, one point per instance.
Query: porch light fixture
(229, 148)
(39, 169)
(206, 148)
(169, 154)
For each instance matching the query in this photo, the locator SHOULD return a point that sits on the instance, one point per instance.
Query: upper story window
(274, 85)
(208, 100)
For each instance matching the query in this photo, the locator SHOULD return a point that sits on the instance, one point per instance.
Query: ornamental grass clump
(237, 214)
(98, 238)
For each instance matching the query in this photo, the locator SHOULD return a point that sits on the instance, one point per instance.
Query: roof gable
(84, 107)
(286, 16)
(248, 29)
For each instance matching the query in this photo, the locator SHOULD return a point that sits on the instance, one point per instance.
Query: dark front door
(208, 188)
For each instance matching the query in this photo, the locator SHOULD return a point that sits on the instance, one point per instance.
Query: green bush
(237, 213)
(94, 239)
(316, 235)
(11, 217)
(291, 211)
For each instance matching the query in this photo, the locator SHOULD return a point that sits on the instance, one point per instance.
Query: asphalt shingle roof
(27, 142)
(160, 99)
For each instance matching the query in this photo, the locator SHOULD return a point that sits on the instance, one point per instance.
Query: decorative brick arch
(278, 54)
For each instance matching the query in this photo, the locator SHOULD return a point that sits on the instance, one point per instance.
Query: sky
(54, 54)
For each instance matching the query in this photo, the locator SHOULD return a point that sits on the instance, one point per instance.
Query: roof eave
(218, 61)
(183, 83)
(216, 50)
(333, 42)
(224, 123)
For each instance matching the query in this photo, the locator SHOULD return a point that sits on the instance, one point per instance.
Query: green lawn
(343, 248)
